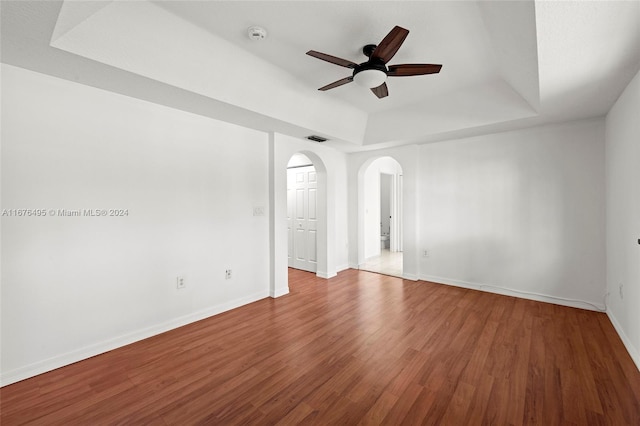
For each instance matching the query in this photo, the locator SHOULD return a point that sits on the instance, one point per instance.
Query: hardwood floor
(360, 348)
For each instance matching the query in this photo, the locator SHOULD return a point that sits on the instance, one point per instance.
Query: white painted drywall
(371, 212)
(386, 180)
(520, 211)
(623, 216)
(73, 287)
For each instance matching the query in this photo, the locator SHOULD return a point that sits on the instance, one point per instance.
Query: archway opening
(380, 240)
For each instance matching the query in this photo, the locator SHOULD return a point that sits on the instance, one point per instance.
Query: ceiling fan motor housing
(368, 50)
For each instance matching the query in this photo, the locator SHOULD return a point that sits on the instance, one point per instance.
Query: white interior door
(302, 217)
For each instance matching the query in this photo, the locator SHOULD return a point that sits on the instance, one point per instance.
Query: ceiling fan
(374, 72)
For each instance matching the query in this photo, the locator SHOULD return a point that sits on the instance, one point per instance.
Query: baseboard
(326, 275)
(279, 292)
(36, 368)
(411, 277)
(633, 351)
(573, 303)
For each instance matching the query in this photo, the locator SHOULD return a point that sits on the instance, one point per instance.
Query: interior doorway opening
(381, 214)
(302, 213)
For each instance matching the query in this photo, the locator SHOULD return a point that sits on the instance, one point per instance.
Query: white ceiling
(505, 64)
(437, 30)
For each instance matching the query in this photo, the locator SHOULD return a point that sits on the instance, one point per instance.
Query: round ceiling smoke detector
(257, 33)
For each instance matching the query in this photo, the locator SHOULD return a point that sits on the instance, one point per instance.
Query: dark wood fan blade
(332, 59)
(337, 83)
(381, 91)
(390, 44)
(405, 70)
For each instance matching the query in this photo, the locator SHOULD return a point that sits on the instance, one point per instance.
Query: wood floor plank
(534, 396)
(297, 415)
(360, 348)
(456, 411)
(379, 409)
(404, 403)
(477, 410)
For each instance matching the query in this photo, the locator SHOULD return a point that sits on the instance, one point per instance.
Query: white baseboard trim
(573, 303)
(39, 367)
(410, 277)
(633, 351)
(326, 275)
(279, 292)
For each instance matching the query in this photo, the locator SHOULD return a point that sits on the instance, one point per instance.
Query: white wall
(73, 287)
(520, 212)
(386, 181)
(623, 216)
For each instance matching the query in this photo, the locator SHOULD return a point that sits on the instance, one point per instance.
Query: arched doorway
(281, 149)
(381, 216)
(302, 213)
(325, 264)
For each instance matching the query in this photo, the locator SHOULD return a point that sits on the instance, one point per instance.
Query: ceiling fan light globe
(370, 78)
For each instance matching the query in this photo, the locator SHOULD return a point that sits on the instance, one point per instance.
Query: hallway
(388, 263)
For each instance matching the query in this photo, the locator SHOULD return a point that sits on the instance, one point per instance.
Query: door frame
(361, 206)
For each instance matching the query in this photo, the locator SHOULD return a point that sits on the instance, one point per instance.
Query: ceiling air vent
(317, 138)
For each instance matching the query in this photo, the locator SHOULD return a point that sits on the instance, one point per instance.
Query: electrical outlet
(425, 253)
(180, 282)
(227, 274)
